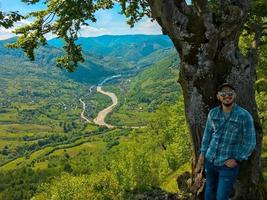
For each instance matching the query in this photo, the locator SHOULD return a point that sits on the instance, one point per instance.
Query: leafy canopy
(64, 18)
(7, 19)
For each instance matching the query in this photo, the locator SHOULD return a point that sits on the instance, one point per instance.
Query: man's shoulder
(242, 111)
(214, 110)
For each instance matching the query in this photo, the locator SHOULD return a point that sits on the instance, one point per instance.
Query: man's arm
(206, 136)
(204, 144)
(249, 139)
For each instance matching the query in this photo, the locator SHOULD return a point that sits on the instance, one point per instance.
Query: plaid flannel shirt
(233, 137)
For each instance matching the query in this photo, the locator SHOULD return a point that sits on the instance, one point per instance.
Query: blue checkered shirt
(233, 137)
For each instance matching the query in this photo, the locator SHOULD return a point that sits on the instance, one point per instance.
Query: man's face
(226, 96)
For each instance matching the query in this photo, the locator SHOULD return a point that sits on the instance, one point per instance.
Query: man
(229, 138)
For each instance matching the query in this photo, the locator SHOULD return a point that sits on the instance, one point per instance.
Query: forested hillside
(143, 94)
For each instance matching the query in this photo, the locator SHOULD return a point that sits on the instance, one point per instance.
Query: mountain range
(128, 47)
(104, 55)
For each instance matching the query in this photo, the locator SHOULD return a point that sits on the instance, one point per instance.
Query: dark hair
(225, 85)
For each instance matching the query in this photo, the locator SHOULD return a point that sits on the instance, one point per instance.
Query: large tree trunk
(207, 42)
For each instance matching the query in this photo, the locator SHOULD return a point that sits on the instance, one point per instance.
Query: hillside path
(82, 113)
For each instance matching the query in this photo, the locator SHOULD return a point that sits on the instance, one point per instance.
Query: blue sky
(109, 22)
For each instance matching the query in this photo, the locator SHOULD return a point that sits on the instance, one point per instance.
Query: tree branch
(8, 19)
(200, 5)
(172, 15)
(157, 6)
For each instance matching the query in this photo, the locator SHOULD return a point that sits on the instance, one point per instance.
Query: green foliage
(22, 183)
(134, 10)
(7, 19)
(111, 141)
(259, 7)
(170, 131)
(102, 186)
(164, 148)
(255, 29)
(254, 37)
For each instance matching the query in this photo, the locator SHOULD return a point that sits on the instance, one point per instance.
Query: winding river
(100, 119)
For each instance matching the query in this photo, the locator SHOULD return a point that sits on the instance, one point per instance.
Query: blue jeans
(219, 181)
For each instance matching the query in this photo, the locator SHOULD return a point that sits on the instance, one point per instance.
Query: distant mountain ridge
(131, 47)
(45, 61)
(104, 55)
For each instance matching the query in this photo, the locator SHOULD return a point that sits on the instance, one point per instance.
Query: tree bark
(207, 43)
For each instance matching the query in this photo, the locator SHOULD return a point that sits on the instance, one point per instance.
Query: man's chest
(227, 129)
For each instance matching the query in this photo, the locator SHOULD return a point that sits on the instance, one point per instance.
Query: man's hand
(200, 163)
(231, 163)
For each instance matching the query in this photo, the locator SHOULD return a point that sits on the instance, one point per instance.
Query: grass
(91, 127)
(73, 151)
(24, 161)
(85, 148)
(23, 128)
(128, 118)
(91, 143)
(170, 183)
(11, 135)
(11, 144)
(11, 116)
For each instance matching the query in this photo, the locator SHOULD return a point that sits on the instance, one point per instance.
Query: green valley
(43, 137)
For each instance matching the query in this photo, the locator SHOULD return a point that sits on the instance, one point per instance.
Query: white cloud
(89, 31)
(148, 27)
(7, 33)
(142, 27)
(121, 28)
(113, 28)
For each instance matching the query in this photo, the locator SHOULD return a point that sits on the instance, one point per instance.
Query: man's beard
(228, 104)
